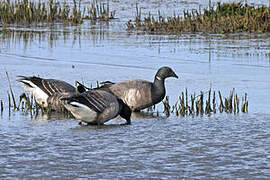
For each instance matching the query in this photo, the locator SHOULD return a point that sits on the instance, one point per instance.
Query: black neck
(158, 80)
(158, 91)
(124, 111)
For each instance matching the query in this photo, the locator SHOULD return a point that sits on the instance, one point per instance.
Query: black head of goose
(48, 92)
(139, 94)
(96, 107)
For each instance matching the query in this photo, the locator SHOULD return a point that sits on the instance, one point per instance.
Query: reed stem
(2, 106)
(10, 88)
(9, 104)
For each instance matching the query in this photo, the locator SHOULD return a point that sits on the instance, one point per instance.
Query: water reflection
(53, 34)
(143, 115)
(40, 117)
(210, 47)
(60, 116)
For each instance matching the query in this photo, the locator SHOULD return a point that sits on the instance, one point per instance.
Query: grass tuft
(185, 106)
(26, 12)
(223, 18)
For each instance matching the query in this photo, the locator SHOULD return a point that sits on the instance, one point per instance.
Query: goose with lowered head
(48, 92)
(95, 107)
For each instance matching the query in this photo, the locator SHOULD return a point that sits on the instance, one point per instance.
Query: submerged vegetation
(26, 12)
(223, 18)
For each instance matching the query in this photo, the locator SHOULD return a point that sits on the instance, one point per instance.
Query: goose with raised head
(95, 107)
(139, 94)
(48, 92)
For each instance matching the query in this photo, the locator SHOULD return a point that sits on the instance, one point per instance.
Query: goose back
(55, 103)
(49, 86)
(42, 89)
(138, 94)
(94, 106)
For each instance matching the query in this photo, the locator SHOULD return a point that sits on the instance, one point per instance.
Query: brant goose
(139, 94)
(96, 107)
(48, 92)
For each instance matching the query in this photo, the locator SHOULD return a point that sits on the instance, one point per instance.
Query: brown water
(221, 146)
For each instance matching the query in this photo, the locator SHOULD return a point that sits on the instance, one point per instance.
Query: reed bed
(222, 18)
(206, 104)
(27, 12)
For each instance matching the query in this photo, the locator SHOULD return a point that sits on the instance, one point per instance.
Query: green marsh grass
(99, 11)
(26, 12)
(223, 18)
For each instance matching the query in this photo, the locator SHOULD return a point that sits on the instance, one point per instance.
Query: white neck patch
(158, 78)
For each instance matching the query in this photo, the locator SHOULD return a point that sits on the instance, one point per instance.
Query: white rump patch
(81, 111)
(39, 95)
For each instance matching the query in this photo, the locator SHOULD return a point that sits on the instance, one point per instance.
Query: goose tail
(33, 86)
(76, 105)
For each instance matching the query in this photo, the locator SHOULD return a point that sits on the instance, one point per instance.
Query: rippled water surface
(222, 146)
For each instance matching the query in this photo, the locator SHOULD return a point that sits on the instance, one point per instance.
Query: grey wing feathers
(55, 102)
(57, 86)
(49, 86)
(106, 83)
(96, 100)
(105, 86)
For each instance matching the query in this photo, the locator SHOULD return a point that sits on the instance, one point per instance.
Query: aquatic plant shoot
(196, 105)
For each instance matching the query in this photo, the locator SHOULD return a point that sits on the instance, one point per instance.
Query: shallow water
(221, 146)
(227, 147)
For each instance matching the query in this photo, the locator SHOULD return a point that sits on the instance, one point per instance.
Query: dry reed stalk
(9, 104)
(10, 88)
(2, 106)
(214, 102)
